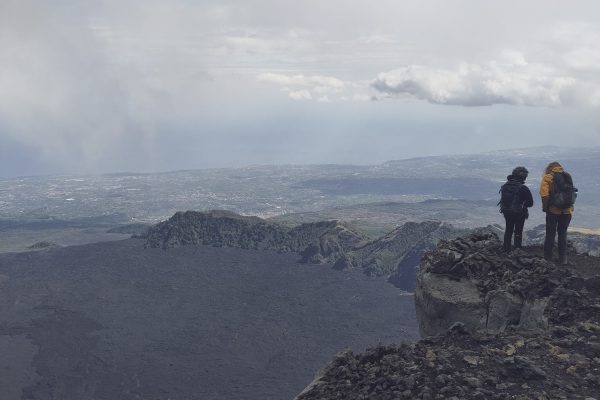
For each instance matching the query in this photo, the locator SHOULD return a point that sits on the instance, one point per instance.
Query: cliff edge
(472, 281)
(502, 327)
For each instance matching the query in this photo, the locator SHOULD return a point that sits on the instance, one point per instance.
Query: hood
(512, 178)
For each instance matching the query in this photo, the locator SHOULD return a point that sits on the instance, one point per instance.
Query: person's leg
(551, 222)
(519, 224)
(508, 231)
(563, 223)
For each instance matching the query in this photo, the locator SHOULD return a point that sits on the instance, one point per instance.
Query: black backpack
(510, 199)
(563, 194)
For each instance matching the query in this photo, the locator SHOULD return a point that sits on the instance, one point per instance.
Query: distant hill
(394, 255)
(318, 242)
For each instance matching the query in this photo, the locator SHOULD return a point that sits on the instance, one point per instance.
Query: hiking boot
(563, 260)
(518, 241)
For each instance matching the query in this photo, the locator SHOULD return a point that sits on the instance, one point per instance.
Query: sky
(130, 85)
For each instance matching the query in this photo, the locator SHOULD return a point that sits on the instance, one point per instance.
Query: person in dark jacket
(515, 201)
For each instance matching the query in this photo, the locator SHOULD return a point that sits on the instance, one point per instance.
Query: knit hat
(520, 172)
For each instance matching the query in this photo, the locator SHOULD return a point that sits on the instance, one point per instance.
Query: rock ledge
(506, 327)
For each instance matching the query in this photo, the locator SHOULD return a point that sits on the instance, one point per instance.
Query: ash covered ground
(116, 321)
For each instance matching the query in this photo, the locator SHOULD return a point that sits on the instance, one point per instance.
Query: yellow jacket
(546, 189)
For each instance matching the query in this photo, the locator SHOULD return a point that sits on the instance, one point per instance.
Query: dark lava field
(116, 321)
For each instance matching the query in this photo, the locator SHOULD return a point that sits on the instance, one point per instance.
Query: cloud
(324, 82)
(511, 81)
(577, 46)
(82, 91)
(300, 95)
(115, 82)
(325, 88)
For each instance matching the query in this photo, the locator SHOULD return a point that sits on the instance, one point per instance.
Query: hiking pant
(556, 223)
(514, 224)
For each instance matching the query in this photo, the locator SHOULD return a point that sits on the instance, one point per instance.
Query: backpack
(510, 199)
(563, 194)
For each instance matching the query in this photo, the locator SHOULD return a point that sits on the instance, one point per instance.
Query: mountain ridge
(322, 242)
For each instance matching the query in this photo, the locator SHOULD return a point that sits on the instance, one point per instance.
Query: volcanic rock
(395, 255)
(506, 326)
(473, 281)
(317, 242)
(44, 245)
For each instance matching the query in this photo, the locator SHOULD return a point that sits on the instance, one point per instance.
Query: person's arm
(545, 191)
(527, 197)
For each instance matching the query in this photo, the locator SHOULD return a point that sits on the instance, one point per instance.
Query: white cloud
(516, 82)
(300, 95)
(300, 86)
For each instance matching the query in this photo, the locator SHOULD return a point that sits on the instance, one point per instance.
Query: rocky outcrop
(217, 228)
(471, 280)
(319, 242)
(520, 328)
(44, 245)
(325, 241)
(395, 255)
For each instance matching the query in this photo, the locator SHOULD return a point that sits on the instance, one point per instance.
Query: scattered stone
(472, 360)
(44, 245)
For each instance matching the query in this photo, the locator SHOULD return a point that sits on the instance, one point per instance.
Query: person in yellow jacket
(557, 218)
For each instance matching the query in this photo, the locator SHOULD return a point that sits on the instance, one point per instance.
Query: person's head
(550, 166)
(520, 172)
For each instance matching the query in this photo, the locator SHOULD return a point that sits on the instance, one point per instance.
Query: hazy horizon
(243, 166)
(108, 86)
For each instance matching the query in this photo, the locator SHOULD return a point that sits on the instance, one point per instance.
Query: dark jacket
(525, 196)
